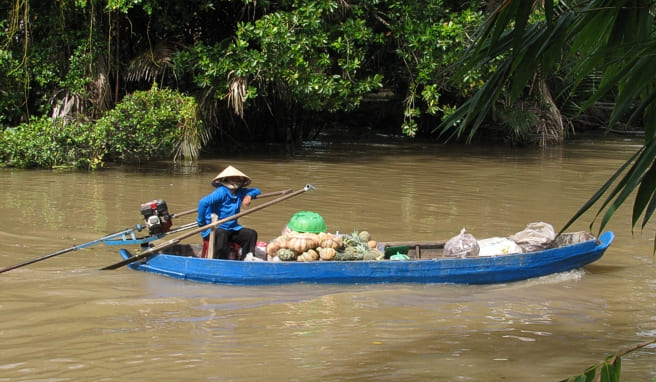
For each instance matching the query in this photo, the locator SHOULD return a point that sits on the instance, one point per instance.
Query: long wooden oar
(274, 193)
(151, 251)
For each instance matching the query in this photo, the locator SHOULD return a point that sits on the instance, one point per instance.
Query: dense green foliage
(259, 71)
(51, 143)
(281, 71)
(153, 124)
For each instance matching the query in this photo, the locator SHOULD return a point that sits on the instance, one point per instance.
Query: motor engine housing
(157, 217)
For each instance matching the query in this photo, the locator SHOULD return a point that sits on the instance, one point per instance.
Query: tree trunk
(550, 127)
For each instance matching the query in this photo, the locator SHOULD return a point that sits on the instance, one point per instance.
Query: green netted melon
(286, 254)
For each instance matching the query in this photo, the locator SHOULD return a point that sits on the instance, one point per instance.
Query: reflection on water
(65, 320)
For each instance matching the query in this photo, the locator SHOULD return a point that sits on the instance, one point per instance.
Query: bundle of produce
(295, 246)
(359, 246)
(324, 246)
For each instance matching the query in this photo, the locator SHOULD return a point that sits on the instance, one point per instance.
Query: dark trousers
(246, 238)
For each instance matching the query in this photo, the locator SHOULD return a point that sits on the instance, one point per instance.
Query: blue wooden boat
(477, 270)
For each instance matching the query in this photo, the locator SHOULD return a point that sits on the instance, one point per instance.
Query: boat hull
(478, 270)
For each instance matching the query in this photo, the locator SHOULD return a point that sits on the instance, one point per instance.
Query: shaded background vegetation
(253, 72)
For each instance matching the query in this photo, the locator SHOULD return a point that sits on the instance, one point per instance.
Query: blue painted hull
(479, 270)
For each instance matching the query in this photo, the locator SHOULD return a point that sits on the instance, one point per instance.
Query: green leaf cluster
(312, 55)
(608, 370)
(430, 39)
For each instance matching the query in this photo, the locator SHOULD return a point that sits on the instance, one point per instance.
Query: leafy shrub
(153, 124)
(49, 143)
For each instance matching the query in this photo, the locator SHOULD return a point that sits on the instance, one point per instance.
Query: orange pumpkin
(331, 241)
(276, 244)
(327, 253)
(309, 255)
(302, 242)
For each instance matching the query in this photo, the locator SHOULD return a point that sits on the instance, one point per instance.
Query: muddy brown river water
(64, 320)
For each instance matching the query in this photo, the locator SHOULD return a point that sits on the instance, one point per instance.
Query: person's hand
(246, 201)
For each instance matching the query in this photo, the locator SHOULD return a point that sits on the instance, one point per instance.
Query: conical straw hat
(229, 172)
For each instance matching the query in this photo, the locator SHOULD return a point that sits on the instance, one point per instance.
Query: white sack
(495, 246)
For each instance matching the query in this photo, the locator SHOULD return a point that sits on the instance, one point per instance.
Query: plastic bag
(250, 257)
(495, 246)
(569, 238)
(535, 237)
(399, 256)
(260, 250)
(462, 245)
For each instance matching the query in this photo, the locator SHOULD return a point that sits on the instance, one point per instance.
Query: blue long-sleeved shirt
(224, 204)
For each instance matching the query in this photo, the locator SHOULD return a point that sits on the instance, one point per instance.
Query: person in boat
(226, 200)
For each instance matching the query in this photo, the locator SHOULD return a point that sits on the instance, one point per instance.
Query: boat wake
(556, 278)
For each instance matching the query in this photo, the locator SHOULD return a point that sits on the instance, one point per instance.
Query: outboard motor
(156, 216)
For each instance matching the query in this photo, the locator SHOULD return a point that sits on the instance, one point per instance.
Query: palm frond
(151, 65)
(613, 37)
(237, 94)
(538, 49)
(597, 196)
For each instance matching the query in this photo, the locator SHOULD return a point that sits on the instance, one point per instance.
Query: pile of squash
(323, 246)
